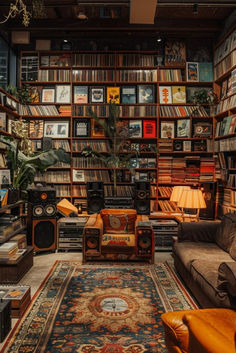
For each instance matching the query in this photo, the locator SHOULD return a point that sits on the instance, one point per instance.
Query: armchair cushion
(118, 221)
(226, 232)
(118, 240)
(227, 277)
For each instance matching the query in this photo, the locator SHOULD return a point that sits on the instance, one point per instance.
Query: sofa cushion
(205, 273)
(227, 277)
(190, 251)
(232, 250)
(118, 221)
(226, 231)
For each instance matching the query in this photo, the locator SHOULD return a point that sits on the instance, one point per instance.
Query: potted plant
(117, 137)
(205, 96)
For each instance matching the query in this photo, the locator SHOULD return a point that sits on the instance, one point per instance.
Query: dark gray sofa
(205, 257)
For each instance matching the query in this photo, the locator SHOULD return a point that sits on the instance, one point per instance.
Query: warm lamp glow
(192, 198)
(177, 192)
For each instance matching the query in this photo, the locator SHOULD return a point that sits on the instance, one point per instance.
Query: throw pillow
(227, 277)
(226, 231)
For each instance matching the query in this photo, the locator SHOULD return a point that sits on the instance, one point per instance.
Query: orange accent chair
(200, 331)
(118, 234)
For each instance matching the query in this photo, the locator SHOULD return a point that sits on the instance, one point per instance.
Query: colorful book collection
(226, 126)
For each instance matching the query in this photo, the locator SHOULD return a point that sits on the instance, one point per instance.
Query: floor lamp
(192, 198)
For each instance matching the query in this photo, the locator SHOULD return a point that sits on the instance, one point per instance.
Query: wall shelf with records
(153, 92)
(225, 122)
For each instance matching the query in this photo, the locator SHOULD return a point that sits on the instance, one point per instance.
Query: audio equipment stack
(70, 233)
(164, 230)
(41, 218)
(118, 202)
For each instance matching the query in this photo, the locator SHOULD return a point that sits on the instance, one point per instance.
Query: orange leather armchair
(200, 331)
(118, 234)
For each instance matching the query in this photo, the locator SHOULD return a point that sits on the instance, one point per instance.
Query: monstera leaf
(24, 168)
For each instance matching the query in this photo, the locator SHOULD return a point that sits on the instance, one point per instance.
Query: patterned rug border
(153, 270)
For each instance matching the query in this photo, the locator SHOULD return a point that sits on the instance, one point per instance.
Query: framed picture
(5, 177)
(78, 175)
(187, 146)
(80, 94)
(167, 129)
(36, 128)
(48, 95)
(135, 128)
(3, 121)
(175, 52)
(183, 128)
(56, 129)
(178, 94)
(35, 94)
(202, 129)
(192, 72)
(145, 94)
(97, 95)
(113, 95)
(128, 95)
(63, 94)
(149, 128)
(96, 129)
(81, 127)
(165, 96)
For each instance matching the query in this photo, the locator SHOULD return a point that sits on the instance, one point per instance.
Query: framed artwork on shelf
(113, 95)
(192, 72)
(145, 94)
(187, 146)
(183, 128)
(149, 128)
(78, 175)
(165, 96)
(5, 176)
(96, 129)
(175, 52)
(135, 128)
(36, 128)
(202, 129)
(3, 121)
(178, 94)
(128, 95)
(81, 127)
(80, 94)
(48, 95)
(97, 95)
(56, 129)
(35, 94)
(63, 94)
(167, 129)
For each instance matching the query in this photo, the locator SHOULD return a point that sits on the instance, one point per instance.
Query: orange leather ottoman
(200, 331)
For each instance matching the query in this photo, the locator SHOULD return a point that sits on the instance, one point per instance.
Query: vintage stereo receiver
(70, 232)
(119, 202)
(164, 230)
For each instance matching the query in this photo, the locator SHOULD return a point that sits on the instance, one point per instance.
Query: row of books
(2, 160)
(232, 180)
(87, 162)
(62, 190)
(182, 111)
(62, 176)
(225, 65)
(228, 85)
(93, 75)
(174, 145)
(92, 60)
(136, 75)
(226, 126)
(124, 111)
(62, 60)
(227, 144)
(38, 110)
(226, 104)
(233, 198)
(146, 60)
(54, 75)
(165, 191)
(168, 206)
(97, 145)
(171, 75)
(228, 45)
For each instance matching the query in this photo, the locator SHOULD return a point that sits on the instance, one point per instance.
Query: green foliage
(117, 137)
(23, 94)
(204, 96)
(24, 168)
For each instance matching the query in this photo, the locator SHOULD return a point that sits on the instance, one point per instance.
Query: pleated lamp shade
(192, 198)
(177, 192)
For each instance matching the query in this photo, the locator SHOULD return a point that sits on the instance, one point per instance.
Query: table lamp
(192, 198)
(176, 194)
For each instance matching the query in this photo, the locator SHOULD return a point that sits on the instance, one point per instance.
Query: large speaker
(38, 195)
(144, 242)
(5, 319)
(142, 197)
(95, 196)
(44, 233)
(209, 191)
(91, 242)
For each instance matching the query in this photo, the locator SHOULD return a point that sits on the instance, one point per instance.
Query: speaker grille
(43, 234)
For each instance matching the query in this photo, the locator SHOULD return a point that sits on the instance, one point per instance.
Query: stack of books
(8, 250)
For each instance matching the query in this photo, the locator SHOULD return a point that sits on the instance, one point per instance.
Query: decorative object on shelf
(183, 128)
(113, 95)
(24, 167)
(48, 95)
(204, 96)
(114, 159)
(192, 71)
(167, 129)
(202, 129)
(56, 129)
(97, 95)
(175, 53)
(81, 127)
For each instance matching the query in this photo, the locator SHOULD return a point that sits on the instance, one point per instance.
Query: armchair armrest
(198, 232)
(95, 222)
(227, 278)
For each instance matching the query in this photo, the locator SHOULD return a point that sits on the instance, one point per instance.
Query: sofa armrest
(198, 232)
(227, 278)
(94, 221)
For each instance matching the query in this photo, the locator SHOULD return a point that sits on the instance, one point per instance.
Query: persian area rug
(100, 309)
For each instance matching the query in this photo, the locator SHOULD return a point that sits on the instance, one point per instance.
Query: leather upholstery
(200, 331)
